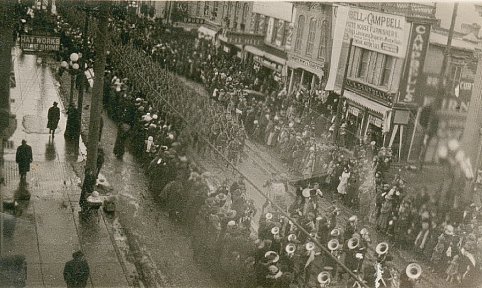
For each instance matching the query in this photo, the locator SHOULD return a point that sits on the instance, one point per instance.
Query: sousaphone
(324, 278)
(310, 246)
(413, 271)
(353, 243)
(290, 248)
(382, 248)
(333, 244)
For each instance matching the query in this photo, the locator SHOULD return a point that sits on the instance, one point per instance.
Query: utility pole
(96, 104)
(339, 107)
(80, 98)
(437, 104)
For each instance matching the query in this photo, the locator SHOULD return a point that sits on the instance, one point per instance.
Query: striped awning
(365, 102)
(207, 31)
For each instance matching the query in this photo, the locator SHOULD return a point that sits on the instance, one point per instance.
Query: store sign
(244, 38)
(368, 91)
(375, 121)
(354, 111)
(375, 31)
(305, 62)
(39, 43)
(456, 100)
(193, 20)
(265, 62)
(416, 58)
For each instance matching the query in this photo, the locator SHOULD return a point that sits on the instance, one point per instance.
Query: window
(206, 8)
(274, 31)
(455, 73)
(323, 40)
(256, 23)
(387, 71)
(198, 8)
(364, 61)
(311, 36)
(245, 14)
(299, 32)
(215, 10)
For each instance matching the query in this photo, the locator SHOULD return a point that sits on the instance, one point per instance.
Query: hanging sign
(416, 57)
(39, 43)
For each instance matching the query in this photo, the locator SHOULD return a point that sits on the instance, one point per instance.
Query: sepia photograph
(240, 144)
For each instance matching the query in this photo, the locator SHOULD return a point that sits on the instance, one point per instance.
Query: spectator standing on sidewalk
(23, 158)
(76, 271)
(53, 117)
(100, 160)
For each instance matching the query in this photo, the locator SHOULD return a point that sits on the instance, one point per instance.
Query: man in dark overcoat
(53, 118)
(23, 158)
(76, 271)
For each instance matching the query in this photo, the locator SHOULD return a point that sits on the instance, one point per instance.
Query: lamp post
(72, 113)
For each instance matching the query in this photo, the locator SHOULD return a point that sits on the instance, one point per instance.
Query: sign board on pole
(39, 43)
(376, 31)
(411, 81)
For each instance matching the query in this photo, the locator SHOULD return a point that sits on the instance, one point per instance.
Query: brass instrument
(413, 271)
(353, 243)
(333, 244)
(275, 230)
(382, 248)
(310, 246)
(290, 248)
(324, 278)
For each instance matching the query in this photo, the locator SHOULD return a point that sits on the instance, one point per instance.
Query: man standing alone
(53, 118)
(23, 159)
(76, 271)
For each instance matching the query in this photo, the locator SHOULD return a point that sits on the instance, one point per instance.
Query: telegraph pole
(437, 104)
(96, 104)
(339, 107)
(80, 98)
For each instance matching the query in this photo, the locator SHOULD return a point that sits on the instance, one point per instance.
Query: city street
(240, 144)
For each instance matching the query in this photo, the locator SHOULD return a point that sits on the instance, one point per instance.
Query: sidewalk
(48, 229)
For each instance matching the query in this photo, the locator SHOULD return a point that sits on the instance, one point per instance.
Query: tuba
(290, 248)
(333, 245)
(353, 243)
(413, 271)
(310, 246)
(335, 232)
(324, 278)
(382, 248)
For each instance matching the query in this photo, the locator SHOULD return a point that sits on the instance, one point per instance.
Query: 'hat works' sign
(39, 43)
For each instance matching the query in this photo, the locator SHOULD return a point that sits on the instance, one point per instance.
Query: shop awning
(367, 103)
(254, 50)
(270, 53)
(207, 31)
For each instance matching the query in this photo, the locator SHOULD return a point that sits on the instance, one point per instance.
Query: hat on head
(449, 230)
(55, 103)
(353, 218)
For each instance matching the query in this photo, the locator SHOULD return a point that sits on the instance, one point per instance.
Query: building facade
(311, 45)
(387, 44)
(459, 83)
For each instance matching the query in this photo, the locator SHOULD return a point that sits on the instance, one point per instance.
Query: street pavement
(48, 229)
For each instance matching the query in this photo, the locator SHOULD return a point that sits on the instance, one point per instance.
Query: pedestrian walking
(76, 271)
(122, 134)
(100, 160)
(53, 117)
(23, 158)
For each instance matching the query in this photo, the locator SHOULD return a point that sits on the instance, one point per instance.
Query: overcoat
(24, 158)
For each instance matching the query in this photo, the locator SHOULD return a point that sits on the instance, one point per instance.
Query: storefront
(230, 48)
(369, 120)
(269, 62)
(304, 72)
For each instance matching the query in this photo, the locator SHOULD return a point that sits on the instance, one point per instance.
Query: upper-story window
(323, 40)
(371, 67)
(245, 13)
(299, 32)
(256, 23)
(311, 36)
(198, 8)
(274, 31)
